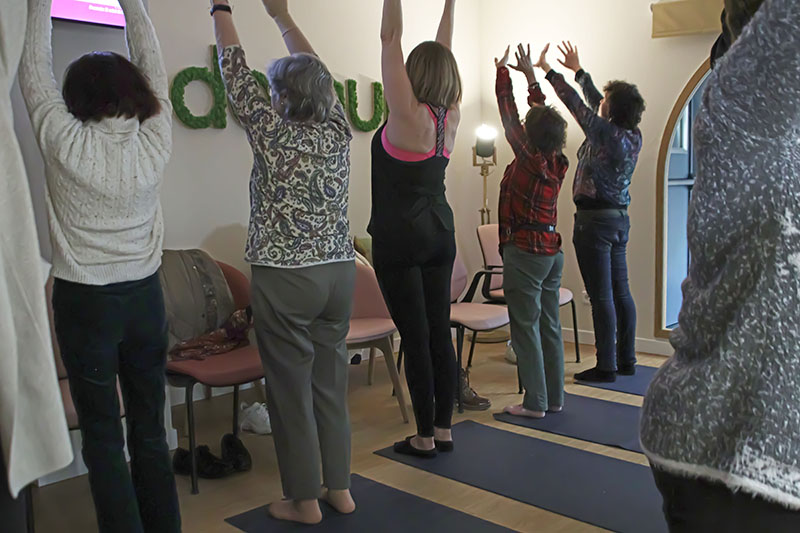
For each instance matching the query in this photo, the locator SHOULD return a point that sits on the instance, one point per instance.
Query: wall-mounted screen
(105, 12)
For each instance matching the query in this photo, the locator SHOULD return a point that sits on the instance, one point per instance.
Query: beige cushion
(479, 317)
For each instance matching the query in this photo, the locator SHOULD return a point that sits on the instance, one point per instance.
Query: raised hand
(276, 8)
(524, 63)
(502, 62)
(542, 63)
(571, 59)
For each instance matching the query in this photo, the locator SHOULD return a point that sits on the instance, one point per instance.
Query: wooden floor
(67, 507)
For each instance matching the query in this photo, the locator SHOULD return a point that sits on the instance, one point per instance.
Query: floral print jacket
(300, 178)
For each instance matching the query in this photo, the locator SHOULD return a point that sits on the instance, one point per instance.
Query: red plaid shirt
(531, 183)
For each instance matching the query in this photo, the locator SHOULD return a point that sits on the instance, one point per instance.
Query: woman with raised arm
(303, 269)
(412, 224)
(105, 141)
(606, 162)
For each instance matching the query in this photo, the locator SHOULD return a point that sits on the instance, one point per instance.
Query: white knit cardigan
(33, 430)
(103, 178)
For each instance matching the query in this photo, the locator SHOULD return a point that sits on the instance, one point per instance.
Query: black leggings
(415, 281)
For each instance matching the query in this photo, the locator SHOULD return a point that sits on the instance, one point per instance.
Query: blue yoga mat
(591, 488)
(380, 508)
(636, 384)
(590, 419)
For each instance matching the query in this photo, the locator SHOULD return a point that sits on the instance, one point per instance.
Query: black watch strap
(221, 7)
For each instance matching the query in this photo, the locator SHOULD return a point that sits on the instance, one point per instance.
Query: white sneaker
(511, 357)
(255, 418)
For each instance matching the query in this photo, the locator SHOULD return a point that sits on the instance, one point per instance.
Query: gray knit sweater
(726, 406)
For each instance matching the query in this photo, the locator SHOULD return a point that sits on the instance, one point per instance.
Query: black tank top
(408, 197)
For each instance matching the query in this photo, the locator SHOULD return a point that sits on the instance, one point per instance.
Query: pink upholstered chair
(492, 289)
(469, 315)
(371, 326)
(232, 369)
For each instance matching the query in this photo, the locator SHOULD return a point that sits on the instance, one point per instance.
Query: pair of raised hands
(526, 65)
(274, 7)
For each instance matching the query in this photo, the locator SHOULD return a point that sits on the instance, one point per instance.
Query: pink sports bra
(438, 150)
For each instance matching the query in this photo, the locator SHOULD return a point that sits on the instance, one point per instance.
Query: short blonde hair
(307, 84)
(434, 75)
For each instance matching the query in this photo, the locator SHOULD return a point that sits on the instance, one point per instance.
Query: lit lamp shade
(484, 146)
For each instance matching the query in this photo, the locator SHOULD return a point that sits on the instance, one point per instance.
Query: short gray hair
(307, 84)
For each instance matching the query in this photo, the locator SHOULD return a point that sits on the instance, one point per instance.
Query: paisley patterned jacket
(300, 178)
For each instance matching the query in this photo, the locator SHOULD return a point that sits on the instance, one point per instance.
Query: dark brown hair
(625, 105)
(106, 85)
(546, 129)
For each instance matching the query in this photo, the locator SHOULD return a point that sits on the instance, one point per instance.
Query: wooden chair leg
(385, 346)
(371, 370)
(575, 332)
(192, 447)
(399, 361)
(459, 351)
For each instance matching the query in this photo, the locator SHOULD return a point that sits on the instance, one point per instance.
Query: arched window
(675, 179)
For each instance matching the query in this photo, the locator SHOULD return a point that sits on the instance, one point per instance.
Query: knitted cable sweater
(103, 178)
(726, 406)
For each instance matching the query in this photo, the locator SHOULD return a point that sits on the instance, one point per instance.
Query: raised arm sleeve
(244, 93)
(509, 115)
(595, 127)
(590, 92)
(48, 112)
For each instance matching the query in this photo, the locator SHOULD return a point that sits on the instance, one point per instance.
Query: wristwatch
(221, 7)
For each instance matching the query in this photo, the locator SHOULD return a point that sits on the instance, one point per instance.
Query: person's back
(606, 162)
(529, 242)
(106, 143)
(724, 409)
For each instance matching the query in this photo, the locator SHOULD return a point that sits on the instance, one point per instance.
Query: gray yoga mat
(380, 508)
(636, 384)
(591, 488)
(590, 419)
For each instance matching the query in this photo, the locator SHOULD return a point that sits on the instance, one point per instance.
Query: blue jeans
(106, 332)
(601, 239)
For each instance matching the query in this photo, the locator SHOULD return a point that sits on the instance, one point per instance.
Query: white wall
(205, 195)
(614, 43)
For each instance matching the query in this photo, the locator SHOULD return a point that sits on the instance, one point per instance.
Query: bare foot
(518, 410)
(423, 443)
(341, 500)
(556, 408)
(442, 434)
(302, 511)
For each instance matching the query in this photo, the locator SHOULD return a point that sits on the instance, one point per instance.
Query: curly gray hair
(307, 85)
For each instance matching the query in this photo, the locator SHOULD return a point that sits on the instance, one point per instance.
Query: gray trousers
(302, 317)
(531, 284)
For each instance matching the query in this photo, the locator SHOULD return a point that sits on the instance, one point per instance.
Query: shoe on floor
(470, 399)
(255, 418)
(595, 375)
(209, 466)
(626, 370)
(406, 448)
(234, 453)
(511, 355)
(443, 445)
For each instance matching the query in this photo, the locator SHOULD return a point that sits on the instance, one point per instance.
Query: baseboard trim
(644, 346)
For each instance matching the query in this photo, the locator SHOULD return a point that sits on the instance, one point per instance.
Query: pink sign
(105, 12)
